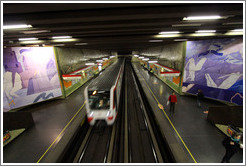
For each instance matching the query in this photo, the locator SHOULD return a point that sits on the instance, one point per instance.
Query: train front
(98, 107)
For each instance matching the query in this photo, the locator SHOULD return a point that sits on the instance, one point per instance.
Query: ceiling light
(89, 64)
(31, 41)
(205, 31)
(34, 32)
(155, 41)
(61, 37)
(30, 38)
(153, 61)
(141, 57)
(105, 58)
(99, 61)
(180, 39)
(16, 26)
(237, 30)
(111, 56)
(80, 44)
(145, 59)
(186, 25)
(202, 18)
(64, 40)
(168, 35)
(202, 34)
(170, 32)
(136, 55)
(234, 32)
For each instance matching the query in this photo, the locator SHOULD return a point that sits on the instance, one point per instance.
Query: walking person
(172, 100)
(200, 97)
(232, 145)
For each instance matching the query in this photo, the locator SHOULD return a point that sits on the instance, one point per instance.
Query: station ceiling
(116, 26)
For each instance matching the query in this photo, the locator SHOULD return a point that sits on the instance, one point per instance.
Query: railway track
(131, 139)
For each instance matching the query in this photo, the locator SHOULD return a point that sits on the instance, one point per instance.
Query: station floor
(201, 138)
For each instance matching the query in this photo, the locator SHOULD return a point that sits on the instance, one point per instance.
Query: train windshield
(99, 100)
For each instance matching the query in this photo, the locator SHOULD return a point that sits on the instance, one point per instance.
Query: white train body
(103, 94)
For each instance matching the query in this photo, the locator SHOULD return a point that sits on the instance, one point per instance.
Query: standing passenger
(231, 145)
(200, 97)
(173, 100)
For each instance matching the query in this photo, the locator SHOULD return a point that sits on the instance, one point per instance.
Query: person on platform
(172, 100)
(231, 145)
(200, 97)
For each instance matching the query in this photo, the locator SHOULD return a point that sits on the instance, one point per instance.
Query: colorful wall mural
(29, 76)
(216, 67)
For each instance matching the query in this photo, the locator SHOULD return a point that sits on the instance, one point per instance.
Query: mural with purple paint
(28, 73)
(216, 67)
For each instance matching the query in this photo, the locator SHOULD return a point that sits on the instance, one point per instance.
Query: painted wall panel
(216, 66)
(30, 76)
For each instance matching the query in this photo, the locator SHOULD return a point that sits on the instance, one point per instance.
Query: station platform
(201, 141)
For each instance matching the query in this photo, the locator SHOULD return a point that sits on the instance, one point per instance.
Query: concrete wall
(71, 59)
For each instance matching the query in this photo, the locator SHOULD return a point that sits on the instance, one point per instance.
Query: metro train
(103, 94)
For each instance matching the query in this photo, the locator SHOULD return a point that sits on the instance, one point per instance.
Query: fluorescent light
(202, 34)
(234, 33)
(84, 59)
(111, 56)
(30, 38)
(202, 18)
(180, 39)
(153, 61)
(145, 59)
(80, 44)
(205, 31)
(155, 41)
(169, 32)
(99, 60)
(61, 37)
(237, 30)
(31, 41)
(136, 55)
(141, 57)
(88, 64)
(64, 40)
(105, 58)
(168, 35)
(34, 32)
(16, 26)
(186, 25)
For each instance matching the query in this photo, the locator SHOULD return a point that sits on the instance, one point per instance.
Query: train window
(99, 100)
(115, 99)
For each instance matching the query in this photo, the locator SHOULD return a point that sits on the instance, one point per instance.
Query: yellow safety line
(170, 122)
(61, 132)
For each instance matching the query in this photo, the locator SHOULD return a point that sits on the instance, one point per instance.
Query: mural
(216, 67)
(30, 76)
